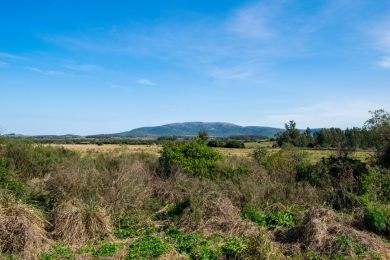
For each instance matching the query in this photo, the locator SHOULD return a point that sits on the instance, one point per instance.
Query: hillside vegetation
(192, 129)
(191, 202)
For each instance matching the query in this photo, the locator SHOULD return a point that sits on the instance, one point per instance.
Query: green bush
(128, 227)
(107, 249)
(30, 160)
(376, 219)
(193, 157)
(376, 185)
(270, 220)
(260, 154)
(9, 183)
(147, 247)
(57, 252)
(184, 243)
(347, 246)
(208, 248)
(234, 248)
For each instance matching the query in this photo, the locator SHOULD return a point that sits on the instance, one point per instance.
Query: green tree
(379, 124)
(203, 135)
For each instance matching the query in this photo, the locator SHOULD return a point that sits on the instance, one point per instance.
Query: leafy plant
(270, 220)
(57, 252)
(107, 249)
(184, 243)
(193, 157)
(147, 247)
(376, 219)
(234, 248)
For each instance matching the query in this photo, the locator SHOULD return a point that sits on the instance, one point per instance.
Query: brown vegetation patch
(213, 213)
(22, 231)
(76, 222)
(319, 230)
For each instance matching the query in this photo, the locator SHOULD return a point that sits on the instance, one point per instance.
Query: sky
(89, 67)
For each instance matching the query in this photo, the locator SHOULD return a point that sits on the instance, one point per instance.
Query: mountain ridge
(215, 129)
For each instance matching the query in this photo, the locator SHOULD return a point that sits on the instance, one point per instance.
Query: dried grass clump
(117, 182)
(210, 213)
(319, 230)
(76, 223)
(22, 231)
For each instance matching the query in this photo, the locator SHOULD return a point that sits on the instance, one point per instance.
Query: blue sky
(89, 67)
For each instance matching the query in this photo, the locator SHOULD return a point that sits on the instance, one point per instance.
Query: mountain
(193, 128)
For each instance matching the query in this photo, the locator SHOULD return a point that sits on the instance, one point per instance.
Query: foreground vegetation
(191, 202)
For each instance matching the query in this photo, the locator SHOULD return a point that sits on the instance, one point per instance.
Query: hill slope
(192, 129)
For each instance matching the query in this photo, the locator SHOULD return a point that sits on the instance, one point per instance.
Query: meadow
(185, 200)
(314, 155)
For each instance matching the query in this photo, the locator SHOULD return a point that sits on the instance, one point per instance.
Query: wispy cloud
(118, 87)
(326, 114)
(82, 67)
(385, 63)
(3, 64)
(258, 34)
(10, 56)
(45, 72)
(146, 82)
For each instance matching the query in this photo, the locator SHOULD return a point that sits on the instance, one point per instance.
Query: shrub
(376, 185)
(208, 248)
(376, 219)
(347, 246)
(234, 248)
(30, 160)
(270, 220)
(147, 247)
(193, 157)
(10, 183)
(106, 249)
(184, 243)
(57, 252)
(129, 225)
(260, 154)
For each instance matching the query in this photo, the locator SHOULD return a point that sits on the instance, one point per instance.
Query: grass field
(314, 154)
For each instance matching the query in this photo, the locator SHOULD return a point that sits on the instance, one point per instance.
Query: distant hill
(192, 129)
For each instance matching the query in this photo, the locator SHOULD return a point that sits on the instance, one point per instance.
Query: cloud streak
(45, 72)
(145, 82)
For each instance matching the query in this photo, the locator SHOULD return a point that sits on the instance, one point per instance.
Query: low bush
(376, 219)
(57, 252)
(106, 249)
(147, 247)
(193, 157)
(271, 220)
(234, 248)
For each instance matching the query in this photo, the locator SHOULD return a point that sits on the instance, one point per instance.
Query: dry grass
(314, 154)
(210, 213)
(78, 223)
(319, 230)
(118, 183)
(22, 231)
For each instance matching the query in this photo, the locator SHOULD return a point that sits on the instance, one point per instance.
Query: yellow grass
(314, 155)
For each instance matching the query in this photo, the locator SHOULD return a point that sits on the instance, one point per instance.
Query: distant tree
(290, 135)
(379, 124)
(203, 135)
(309, 137)
(379, 118)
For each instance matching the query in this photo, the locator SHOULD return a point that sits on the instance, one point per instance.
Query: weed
(107, 249)
(147, 247)
(234, 248)
(57, 252)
